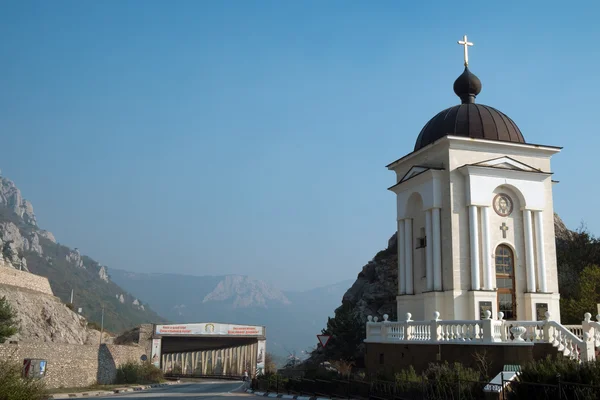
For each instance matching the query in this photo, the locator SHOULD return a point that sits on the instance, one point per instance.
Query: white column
(541, 255)
(486, 248)
(401, 260)
(529, 260)
(437, 249)
(474, 236)
(408, 253)
(429, 250)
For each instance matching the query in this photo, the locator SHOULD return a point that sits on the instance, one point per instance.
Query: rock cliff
(44, 318)
(24, 246)
(245, 292)
(10, 197)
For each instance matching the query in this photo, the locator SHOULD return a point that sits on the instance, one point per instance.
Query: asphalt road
(204, 389)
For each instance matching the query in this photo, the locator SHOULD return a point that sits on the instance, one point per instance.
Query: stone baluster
(435, 328)
(487, 331)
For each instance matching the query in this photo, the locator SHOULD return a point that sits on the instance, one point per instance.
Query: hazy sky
(251, 137)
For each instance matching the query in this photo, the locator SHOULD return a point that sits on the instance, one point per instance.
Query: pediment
(414, 171)
(507, 163)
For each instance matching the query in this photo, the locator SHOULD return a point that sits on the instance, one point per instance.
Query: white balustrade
(592, 328)
(576, 330)
(575, 342)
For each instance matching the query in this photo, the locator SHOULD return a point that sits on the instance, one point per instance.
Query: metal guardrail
(189, 376)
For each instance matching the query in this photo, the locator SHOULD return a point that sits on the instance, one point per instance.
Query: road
(204, 389)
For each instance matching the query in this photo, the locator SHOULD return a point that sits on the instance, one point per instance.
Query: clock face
(503, 204)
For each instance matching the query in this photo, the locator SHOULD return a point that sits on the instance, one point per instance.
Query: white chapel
(475, 217)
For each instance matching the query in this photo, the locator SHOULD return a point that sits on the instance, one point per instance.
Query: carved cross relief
(503, 228)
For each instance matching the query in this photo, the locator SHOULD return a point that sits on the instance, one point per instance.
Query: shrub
(576, 379)
(94, 325)
(133, 372)
(439, 381)
(547, 371)
(8, 320)
(407, 378)
(13, 387)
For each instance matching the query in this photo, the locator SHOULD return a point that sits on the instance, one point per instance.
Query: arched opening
(505, 281)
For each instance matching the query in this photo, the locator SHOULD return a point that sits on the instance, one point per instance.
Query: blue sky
(251, 137)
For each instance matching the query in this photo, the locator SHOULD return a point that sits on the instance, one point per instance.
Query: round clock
(503, 204)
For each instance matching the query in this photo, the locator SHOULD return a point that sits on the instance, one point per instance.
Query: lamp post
(102, 325)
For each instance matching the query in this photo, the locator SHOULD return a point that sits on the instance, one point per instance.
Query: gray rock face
(15, 243)
(75, 258)
(103, 274)
(245, 292)
(375, 288)
(48, 235)
(44, 318)
(560, 230)
(10, 197)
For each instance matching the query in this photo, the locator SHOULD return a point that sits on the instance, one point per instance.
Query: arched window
(505, 281)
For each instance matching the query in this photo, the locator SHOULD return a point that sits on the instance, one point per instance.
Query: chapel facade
(475, 217)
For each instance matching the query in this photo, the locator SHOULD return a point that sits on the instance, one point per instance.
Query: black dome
(469, 119)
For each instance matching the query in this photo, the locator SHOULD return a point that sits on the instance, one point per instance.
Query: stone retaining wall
(389, 358)
(73, 365)
(23, 279)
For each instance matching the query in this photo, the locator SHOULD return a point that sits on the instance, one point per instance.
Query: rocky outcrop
(103, 274)
(24, 246)
(560, 230)
(74, 257)
(13, 244)
(375, 288)
(10, 197)
(47, 235)
(43, 318)
(245, 292)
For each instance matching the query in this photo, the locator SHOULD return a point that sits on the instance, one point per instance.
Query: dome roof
(469, 119)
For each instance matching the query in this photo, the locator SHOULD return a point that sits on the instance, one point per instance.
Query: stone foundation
(26, 280)
(72, 365)
(387, 359)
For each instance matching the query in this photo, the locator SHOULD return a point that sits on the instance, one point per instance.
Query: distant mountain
(25, 246)
(292, 318)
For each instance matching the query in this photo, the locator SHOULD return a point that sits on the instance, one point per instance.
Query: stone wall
(387, 359)
(23, 279)
(145, 338)
(72, 365)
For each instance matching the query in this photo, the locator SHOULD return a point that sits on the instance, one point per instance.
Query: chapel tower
(475, 216)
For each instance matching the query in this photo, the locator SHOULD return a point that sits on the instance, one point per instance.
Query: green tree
(270, 366)
(7, 250)
(572, 256)
(8, 321)
(347, 334)
(572, 309)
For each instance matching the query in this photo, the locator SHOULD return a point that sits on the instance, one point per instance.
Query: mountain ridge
(25, 246)
(292, 318)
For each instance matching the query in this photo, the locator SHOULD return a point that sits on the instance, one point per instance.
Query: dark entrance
(505, 282)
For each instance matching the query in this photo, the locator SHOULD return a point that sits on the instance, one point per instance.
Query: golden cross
(504, 228)
(466, 45)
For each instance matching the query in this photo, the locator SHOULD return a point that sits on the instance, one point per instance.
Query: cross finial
(466, 45)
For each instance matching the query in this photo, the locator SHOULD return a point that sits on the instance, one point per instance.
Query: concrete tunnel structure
(209, 349)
